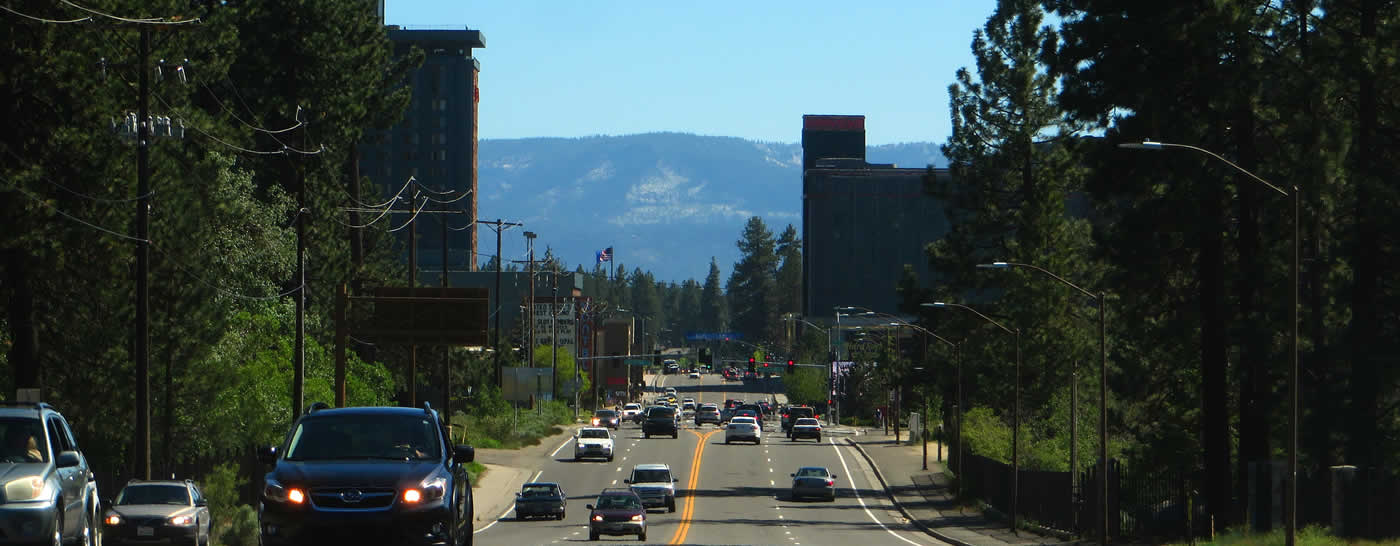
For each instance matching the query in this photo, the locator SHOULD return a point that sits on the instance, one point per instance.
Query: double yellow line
(689, 510)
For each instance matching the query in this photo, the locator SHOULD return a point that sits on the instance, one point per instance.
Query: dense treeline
(1193, 255)
(223, 211)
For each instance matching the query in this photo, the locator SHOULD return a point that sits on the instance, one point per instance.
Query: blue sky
(746, 69)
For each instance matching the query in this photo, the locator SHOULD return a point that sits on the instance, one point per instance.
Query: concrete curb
(880, 476)
(496, 493)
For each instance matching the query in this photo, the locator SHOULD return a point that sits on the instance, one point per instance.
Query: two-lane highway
(726, 494)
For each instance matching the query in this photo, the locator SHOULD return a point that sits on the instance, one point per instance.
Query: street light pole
(1074, 395)
(1016, 418)
(1291, 494)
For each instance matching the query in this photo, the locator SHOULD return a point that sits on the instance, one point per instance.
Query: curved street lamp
(1016, 414)
(1291, 495)
(957, 359)
(1074, 397)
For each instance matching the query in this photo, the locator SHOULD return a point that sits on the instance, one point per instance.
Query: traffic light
(791, 367)
(753, 367)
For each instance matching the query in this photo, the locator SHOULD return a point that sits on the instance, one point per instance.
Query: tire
(642, 536)
(819, 438)
(88, 530)
(577, 458)
(645, 435)
(793, 495)
(592, 536)
(58, 524)
(671, 506)
(610, 458)
(675, 435)
(726, 441)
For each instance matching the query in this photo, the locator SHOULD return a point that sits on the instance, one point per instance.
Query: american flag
(605, 255)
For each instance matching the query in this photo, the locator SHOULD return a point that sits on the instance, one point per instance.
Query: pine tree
(789, 276)
(752, 286)
(714, 316)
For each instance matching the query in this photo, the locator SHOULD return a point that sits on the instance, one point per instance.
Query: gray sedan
(813, 481)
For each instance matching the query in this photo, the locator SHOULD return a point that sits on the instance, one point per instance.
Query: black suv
(661, 421)
(50, 495)
(379, 474)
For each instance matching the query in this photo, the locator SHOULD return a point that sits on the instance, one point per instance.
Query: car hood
(594, 441)
(354, 473)
(651, 485)
(15, 471)
(153, 510)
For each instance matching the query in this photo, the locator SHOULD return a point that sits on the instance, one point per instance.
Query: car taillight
(830, 483)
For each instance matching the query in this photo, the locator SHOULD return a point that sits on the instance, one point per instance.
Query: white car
(630, 411)
(695, 374)
(595, 442)
(743, 429)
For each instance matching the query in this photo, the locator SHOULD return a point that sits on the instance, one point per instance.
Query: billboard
(562, 323)
(521, 384)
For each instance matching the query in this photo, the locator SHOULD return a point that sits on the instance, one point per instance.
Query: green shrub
(240, 527)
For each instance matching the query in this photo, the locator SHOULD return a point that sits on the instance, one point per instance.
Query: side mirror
(463, 454)
(674, 480)
(201, 502)
(67, 459)
(628, 480)
(588, 506)
(267, 455)
(792, 475)
(835, 477)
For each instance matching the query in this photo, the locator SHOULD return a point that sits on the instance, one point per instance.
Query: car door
(85, 486)
(70, 487)
(202, 519)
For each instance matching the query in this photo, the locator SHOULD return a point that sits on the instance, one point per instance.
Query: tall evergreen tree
(714, 316)
(789, 276)
(752, 287)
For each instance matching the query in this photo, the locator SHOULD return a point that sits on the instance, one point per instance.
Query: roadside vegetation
(1310, 536)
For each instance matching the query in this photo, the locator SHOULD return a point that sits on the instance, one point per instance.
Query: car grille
(351, 498)
(616, 518)
(146, 522)
(650, 492)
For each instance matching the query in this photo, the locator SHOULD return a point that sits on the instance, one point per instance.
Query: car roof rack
(316, 406)
(19, 404)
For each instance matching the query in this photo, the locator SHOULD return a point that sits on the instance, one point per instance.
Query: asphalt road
(726, 494)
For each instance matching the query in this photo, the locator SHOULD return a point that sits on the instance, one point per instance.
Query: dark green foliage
(752, 287)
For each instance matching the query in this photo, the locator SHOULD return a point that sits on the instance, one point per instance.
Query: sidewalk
(926, 498)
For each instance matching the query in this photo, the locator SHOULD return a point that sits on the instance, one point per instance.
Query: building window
(413, 171)
(386, 172)
(440, 105)
(440, 155)
(440, 139)
(442, 122)
(410, 155)
(438, 173)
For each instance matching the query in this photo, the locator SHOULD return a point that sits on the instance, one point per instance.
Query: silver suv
(655, 484)
(50, 494)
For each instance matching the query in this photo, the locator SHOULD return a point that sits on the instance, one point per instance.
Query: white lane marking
(508, 510)
(772, 483)
(619, 469)
(852, 486)
(614, 482)
(561, 446)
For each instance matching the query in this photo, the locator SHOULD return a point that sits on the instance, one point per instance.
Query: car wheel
(577, 458)
(87, 529)
(671, 505)
(726, 441)
(819, 438)
(645, 435)
(610, 458)
(675, 435)
(592, 536)
(793, 495)
(642, 536)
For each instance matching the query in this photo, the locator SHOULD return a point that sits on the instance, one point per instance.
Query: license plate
(145, 531)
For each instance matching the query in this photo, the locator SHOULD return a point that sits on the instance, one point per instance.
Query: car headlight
(275, 492)
(112, 519)
(598, 518)
(430, 490)
(639, 517)
(182, 521)
(26, 489)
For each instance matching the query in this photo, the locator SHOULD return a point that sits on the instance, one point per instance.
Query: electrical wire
(234, 115)
(43, 20)
(144, 21)
(449, 201)
(463, 228)
(80, 220)
(418, 209)
(376, 219)
(236, 147)
(94, 198)
(435, 192)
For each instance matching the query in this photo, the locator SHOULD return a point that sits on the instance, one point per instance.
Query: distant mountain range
(666, 202)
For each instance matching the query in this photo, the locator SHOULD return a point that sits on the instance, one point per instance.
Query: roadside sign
(637, 362)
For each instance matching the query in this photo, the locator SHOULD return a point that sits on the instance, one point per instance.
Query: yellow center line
(684, 527)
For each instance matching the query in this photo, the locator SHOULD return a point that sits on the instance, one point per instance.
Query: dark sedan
(618, 512)
(607, 418)
(167, 511)
(813, 481)
(540, 499)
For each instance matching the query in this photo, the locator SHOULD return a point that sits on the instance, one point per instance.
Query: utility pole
(143, 259)
(530, 310)
(498, 226)
(446, 349)
(412, 289)
(554, 332)
(299, 353)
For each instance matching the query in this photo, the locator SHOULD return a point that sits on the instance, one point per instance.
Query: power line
(418, 210)
(142, 21)
(449, 201)
(50, 21)
(234, 115)
(80, 220)
(94, 198)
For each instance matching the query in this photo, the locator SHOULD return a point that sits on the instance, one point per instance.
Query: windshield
(806, 421)
(812, 473)
(661, 413)
(364, 437)
(593, 434)
(24, 440)
(619, 502)
(154, 494)
(632, 406)
(650, 476)
(605, 413)
(537, 491)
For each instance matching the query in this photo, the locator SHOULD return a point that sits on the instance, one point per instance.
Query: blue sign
(712, 336)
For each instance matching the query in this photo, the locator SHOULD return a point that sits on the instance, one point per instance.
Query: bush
(240, 528)
(505, 429)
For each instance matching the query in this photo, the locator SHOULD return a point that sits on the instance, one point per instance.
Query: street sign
(637, 362)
